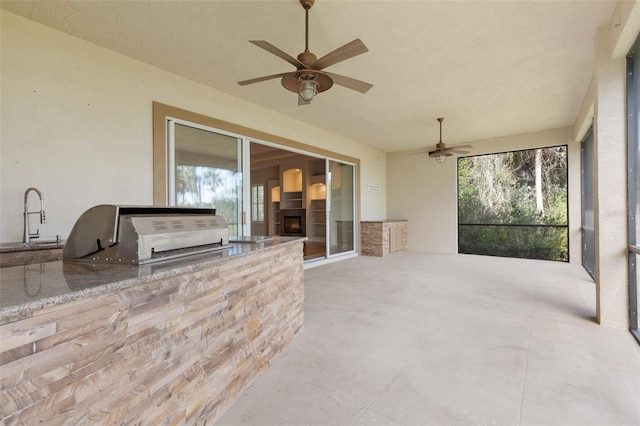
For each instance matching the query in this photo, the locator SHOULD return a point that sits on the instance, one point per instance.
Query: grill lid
(142, 234)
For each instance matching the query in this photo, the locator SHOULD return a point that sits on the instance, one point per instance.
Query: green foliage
(527, 188)
(200, 186)
(530, 242)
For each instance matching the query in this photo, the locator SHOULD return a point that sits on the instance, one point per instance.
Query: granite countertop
(31, 287)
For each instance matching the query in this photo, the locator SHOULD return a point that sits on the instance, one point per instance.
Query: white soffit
(491, 68)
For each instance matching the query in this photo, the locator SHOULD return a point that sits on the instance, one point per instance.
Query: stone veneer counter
(171, 342)
(383, 237)
(30, 287)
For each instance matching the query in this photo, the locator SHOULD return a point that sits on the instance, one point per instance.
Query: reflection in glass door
(205, 170)
(588, 220)
(341, 207)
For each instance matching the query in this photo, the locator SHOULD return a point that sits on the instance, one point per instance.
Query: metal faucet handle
(27, 232)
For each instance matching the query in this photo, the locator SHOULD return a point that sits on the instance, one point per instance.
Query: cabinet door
(393, 239)
(400, 237)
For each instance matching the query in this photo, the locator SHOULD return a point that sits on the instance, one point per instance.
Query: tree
(504, 198)
(539, 203)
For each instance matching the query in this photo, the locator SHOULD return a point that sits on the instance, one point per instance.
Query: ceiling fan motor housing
(307, 58)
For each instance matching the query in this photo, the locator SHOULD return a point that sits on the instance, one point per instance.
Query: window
(257, 203)
(514, 204)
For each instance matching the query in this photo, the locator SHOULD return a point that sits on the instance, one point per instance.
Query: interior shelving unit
(292, 200)
(292, 192)
(301, 188)
(317, 214)
(274, 207)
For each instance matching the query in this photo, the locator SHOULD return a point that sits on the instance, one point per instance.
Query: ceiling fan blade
(440, 152)
(259, 79)
(279, 53)
(349, 50)
(424, 151)
(458, 149)
(350, 83)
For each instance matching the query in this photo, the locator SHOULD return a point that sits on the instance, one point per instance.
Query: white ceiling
(491, 68)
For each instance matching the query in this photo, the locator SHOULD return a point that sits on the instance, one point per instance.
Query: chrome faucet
(27, 233)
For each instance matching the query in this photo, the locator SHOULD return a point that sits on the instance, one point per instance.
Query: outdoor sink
(18, 253)
(33, 244)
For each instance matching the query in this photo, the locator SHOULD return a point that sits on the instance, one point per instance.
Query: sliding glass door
(208, 167)
(588, 218)
(341, 198)
(633, 186)
(205, 170)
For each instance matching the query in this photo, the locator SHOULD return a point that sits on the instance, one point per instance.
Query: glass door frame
(633, 152)
(587, 191)
(327, 159)
(354, 198)
(162, 111)
(242, 156)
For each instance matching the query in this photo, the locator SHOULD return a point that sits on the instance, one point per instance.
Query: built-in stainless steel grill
(141, 234)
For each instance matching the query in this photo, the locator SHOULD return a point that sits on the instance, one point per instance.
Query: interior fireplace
(293, 222)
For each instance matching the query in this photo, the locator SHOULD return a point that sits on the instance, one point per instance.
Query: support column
(612, 280)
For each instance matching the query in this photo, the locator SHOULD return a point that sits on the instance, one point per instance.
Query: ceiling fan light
(440, 157)
(307, 88)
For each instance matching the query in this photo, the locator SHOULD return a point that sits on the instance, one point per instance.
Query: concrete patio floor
(419, 339)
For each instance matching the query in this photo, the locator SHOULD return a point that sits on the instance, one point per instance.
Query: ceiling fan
(309, 77)
(442, 152)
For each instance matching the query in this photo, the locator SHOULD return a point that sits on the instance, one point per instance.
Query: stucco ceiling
(491, 68)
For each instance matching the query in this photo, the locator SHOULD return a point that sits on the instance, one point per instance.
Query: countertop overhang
(29, 288)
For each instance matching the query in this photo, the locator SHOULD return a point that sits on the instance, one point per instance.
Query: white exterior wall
(425, 192)
(77, 124)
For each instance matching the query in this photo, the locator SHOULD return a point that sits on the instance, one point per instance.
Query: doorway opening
(254, 179)
(296, 196)
(306, 196)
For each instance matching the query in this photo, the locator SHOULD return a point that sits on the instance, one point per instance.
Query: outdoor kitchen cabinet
(383, 237)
